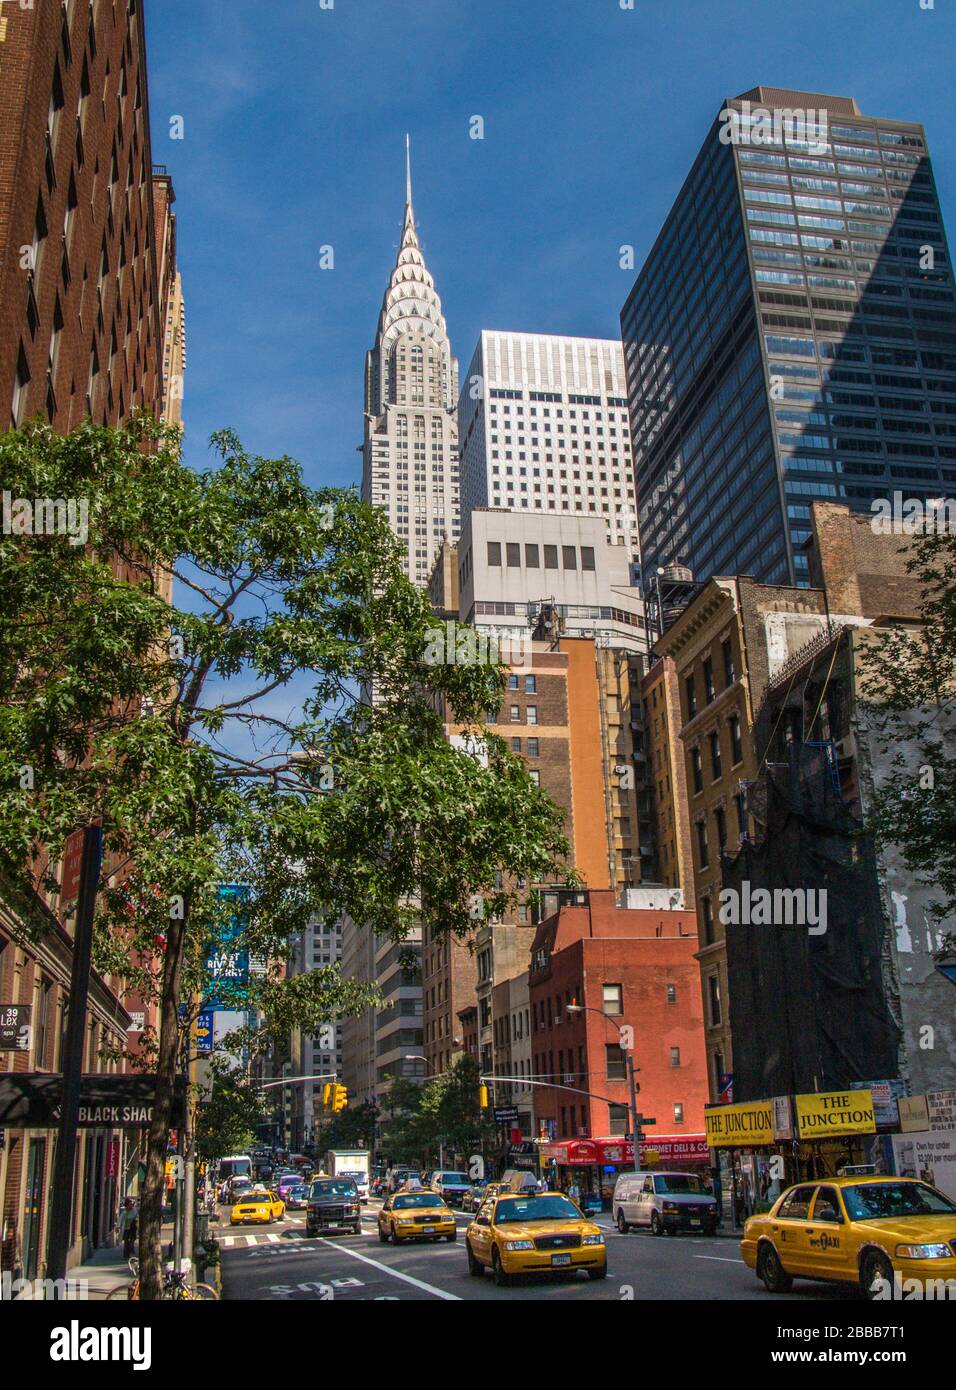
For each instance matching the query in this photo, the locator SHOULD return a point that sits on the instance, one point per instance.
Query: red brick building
(631, 968)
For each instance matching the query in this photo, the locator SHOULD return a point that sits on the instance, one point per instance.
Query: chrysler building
(410, 450)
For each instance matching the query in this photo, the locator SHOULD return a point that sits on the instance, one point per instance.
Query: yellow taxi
(533, 1233)
(257, 1208)
(894, 1237)
(415, 1215)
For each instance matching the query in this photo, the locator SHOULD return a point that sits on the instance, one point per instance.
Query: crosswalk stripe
(273, 1238)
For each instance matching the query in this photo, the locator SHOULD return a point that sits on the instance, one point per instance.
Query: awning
(31, 1100)
(670, 1148)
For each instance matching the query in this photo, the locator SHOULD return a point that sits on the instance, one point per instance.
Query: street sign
(15, 1031)
(505, 1114)
(204, 1030)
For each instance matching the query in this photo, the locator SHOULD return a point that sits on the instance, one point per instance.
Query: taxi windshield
(543, 1207)
(873, 1200)
(343, 1188)
(417, 1199)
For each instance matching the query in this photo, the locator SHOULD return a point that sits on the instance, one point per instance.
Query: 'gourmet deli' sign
(827, 1113)
(739, 1126)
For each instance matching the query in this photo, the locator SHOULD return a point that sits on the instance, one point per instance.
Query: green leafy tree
(224, 738)
(910, 693)
(229, 1112)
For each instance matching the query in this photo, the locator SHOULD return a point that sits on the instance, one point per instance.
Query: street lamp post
(636, 1119)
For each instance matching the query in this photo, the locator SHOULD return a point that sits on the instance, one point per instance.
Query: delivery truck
(350, 1163)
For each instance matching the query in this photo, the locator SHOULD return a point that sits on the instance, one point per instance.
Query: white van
(235, 1166)
(667, 1202)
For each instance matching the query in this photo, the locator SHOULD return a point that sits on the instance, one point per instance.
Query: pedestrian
(129, 1226)
(574, 1192)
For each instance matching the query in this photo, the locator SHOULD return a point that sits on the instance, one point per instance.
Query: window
(532, 748)
(675, 1056)
(672, 994)
(551, 557)
(569, 557)
(715, 764)
(707, 917)
(617, 1119)
(512, 681)
(678, 1113)
(796, 1207)
(587, 557)
(494, 553)
(531, 557)
(515, 714)
(736, 743)
(690, 688)
(516, 745)
(514, 555)
(615, 1062)
(697, 769)
(532, 714)
(535, 776)
(713, 996)
(709, 691)
(702, 848)
(530, 685)
(613, 997)
(721, 819)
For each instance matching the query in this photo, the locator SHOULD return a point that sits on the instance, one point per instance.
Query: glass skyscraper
(791, 335)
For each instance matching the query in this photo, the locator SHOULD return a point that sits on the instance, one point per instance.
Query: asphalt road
(281, 1263)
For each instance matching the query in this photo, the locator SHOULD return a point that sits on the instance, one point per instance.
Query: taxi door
(828, 1245)
(480, 1233)
(789, 1230)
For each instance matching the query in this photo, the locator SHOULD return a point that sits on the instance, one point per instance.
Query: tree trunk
(151, 1199)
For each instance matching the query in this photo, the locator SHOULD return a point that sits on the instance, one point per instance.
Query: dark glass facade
(791, 335)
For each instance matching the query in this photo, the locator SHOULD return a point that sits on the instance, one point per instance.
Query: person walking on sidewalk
(129, 1224)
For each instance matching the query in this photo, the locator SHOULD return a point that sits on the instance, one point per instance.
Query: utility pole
(636, 1119)
(61, 1203)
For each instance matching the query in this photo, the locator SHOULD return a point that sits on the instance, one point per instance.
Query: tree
(353, 1128)
(440, 1114)
(224, 738)
(910, 696)
(229, 1112)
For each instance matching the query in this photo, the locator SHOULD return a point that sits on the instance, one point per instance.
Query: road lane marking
(252, 1240)
(274, 1238)
(395, 1273)
(724, 1259)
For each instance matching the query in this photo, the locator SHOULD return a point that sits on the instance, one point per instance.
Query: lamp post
(636, 1119)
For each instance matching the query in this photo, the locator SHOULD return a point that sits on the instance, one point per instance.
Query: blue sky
(294, 121)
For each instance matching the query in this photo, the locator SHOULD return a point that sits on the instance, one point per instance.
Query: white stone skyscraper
(410, 450)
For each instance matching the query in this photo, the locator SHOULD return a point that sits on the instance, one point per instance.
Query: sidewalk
(107, 1269)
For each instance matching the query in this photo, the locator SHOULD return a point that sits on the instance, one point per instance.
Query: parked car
(333, 1202)
(451, 1187)
(879, 1233)
(667, 1202)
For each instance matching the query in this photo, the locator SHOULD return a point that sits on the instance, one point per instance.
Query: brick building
(630, 967)
(90, 305)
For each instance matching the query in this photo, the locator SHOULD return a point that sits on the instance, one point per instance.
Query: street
(281, 1263)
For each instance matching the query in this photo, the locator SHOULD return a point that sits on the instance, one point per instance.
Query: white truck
(350, 1163)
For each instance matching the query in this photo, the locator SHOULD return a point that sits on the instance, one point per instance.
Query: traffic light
(483, 1097)
(327, 1094)
(340, 1098)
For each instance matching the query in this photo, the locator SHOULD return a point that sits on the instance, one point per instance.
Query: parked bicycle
(175, 1287)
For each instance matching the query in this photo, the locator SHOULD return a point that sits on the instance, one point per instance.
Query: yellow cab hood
(911, 1230)
(535, 1230)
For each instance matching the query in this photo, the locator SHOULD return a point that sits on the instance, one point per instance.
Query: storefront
(593, 1165)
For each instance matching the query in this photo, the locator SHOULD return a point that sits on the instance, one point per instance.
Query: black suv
(333, 1202)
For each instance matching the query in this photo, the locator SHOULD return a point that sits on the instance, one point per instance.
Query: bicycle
(175, 1288)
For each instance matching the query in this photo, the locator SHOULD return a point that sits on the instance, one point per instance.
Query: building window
(675, 1056)
(515, 714)
(736, 742)
(531, 557)
(532, 748)
(713, 995)
(703, 852)
(678, 1113)
(530, 685)
(613, 997)
(535, 776)
(707, 917)
(715, 765)
(512, 681)
(690, 688)
(697, 769)
(709, 691)
(721, 819)
(617, 1119)
(727, 649)
(615, 1062)
(672, 994)
(494, 553)
(532, 714)
(551, 557)
(587, 557)
(514, 555)
(516, 745)
(569, 557)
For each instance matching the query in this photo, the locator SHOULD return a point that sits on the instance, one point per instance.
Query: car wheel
(475, 1267)
(771, 1271)
(875, 1267)
(502, 1279)
(599, 1273)
(657, 1225)
(622, 1225)
(357, 1229)
(453, 1236)
(382, 1235)
(395, 1236)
